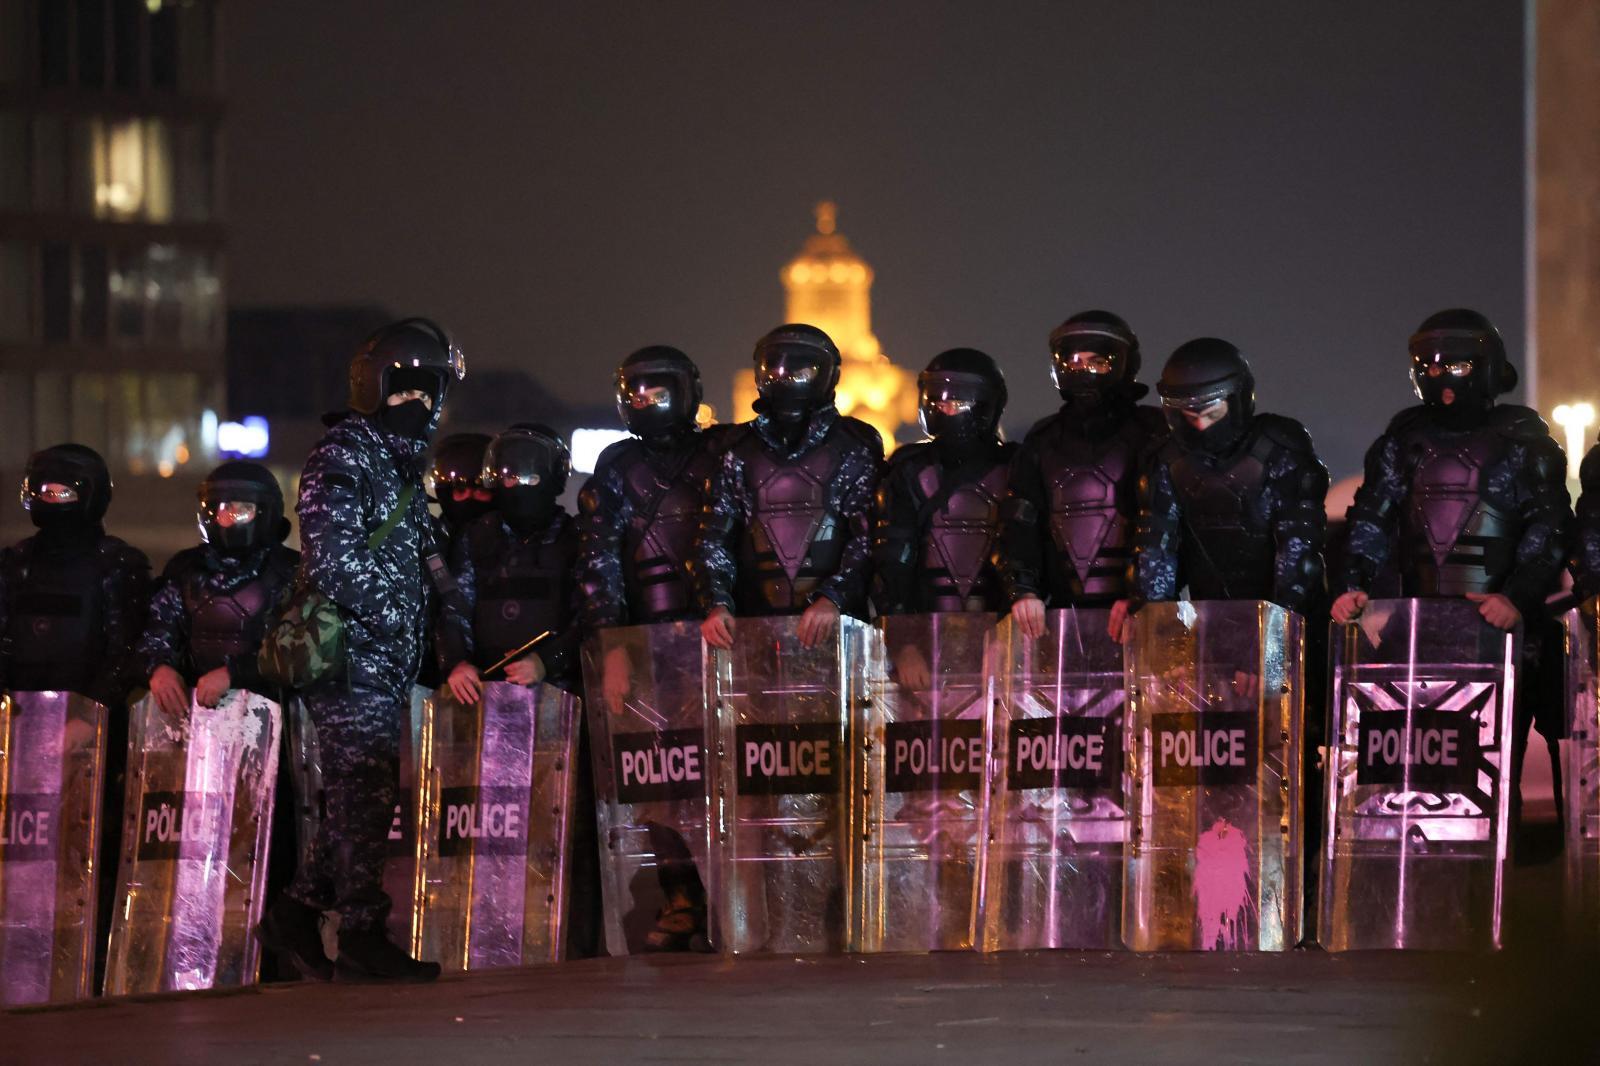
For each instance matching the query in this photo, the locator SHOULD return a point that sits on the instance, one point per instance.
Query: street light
(1575, 418)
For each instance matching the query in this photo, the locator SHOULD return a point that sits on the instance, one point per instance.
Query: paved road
(1534, 1002)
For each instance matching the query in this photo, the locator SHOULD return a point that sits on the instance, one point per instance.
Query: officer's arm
(711, 565)
(166, 633)
(559, 651)
(601, 518)
(847, 586)
(895, 538)
(1153, 574)
(126, 587)
(1300, 529)
(1370, 521)
(333, 537)
(453, 637)
(1546, 511)
(1019, 550)
(1586, 541)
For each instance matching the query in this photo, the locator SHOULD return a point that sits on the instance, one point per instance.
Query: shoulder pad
(862, 432)
(916, 455)
(119, 549)
(1588, 472)
(718, 438)
(614, 452)
(1518, 422)
(1285, 432)
(1405, 419)
(1044, 425)
(179, 565)
(1152, 419)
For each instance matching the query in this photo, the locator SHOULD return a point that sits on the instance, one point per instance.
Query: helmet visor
(520, 459)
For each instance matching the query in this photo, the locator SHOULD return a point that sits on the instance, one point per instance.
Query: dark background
(564, 183)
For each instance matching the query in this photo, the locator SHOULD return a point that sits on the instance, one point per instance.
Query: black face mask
(462, 513)
(411, 419)
(58, 519)
(526, 508)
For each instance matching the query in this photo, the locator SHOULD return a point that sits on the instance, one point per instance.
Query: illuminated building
(111, 296)
(829, 286)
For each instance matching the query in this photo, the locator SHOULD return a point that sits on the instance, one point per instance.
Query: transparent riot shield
(649, 735)
(1214, 747)
(52, 751)
(400, 871)
(496, 825)
(194, 845)
(780, 860)
(1056, 816)
(919, 749)
(1580, 781)
(1418, 788)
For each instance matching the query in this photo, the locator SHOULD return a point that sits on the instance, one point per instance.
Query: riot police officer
(1476, 493)
(517, 572)
(638, 514)
(74, 598)
(1067, 523)
(786, 527)
(938, 505)
(214, 601)
(1231, 505)
(455, 478)
(365, 475)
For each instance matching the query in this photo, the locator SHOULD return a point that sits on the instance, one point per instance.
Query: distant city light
(1575, 418)
(587, 444)
(247, 438)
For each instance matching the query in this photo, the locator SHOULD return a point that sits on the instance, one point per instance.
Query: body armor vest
(1454, 540)
(1228, 547)
(956, 574)
(666, 501)
(519, 582)
(1092, 487)
(55, 632)
(224, 624)
(794, 540)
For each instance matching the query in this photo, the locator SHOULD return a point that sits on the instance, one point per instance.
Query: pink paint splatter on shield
(1221, 886)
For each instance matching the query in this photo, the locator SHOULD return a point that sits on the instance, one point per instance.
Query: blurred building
(111, 249)
(829, 286)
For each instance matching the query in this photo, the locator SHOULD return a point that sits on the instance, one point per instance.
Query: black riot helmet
(66, 485)
(1200, 374)
(1095, 357)
(455, 478)
(797, 368)
(526, 470)
(413, 353)
(658, 392)
(960, 396)
(1458, 364)
(241, 509)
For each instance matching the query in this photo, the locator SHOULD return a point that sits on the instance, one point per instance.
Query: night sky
(561, 184)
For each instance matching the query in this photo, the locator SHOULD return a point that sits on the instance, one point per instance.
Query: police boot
(294, 931)
(368, 956)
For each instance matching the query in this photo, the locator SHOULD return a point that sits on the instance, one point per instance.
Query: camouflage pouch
(306, 644)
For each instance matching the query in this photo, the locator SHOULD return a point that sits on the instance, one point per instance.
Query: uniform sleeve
(453, 638)
(847, 586)
(1586, 541)
(559, 651)
(1156, 538)
(602, 514)
(1546, 511)
(895, 539)
(333, 537)
(165, 641)
(1370, 522)
(1019, 551)
(1300, 528)
(712, 567)
(126, 586)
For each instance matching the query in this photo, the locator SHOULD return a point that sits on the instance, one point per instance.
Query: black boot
(294, 931)
(368, 956)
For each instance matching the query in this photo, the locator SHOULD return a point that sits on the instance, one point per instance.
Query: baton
(514, 654)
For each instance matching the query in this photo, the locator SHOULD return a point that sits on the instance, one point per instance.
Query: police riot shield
(194, 845)
(52, 751)
(779, 855)
(919, 750)
(1418, 788)
(1580, 780)
(648, 733)
(1214, 748)
(496, 823)
(1056, 821)
(401, 880)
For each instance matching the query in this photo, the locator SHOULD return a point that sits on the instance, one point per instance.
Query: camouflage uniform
(352, 482)
(192, 580)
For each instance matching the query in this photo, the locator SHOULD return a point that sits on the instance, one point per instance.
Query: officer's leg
(360, 738)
